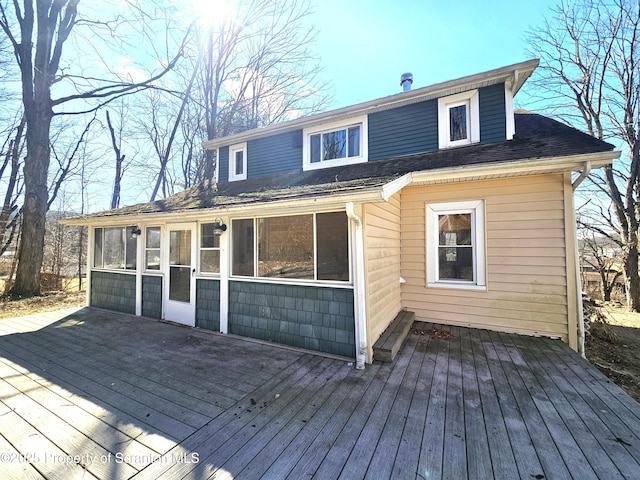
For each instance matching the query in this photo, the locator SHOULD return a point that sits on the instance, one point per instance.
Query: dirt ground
(617, 355)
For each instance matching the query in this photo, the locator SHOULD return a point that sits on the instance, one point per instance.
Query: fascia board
(530, 166)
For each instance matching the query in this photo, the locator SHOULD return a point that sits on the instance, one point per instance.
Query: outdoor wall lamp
(135, 231)
(219, 227)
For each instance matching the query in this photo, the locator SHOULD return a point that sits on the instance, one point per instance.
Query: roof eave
(382, 193)
(515, 75)
(293, 205)
(529, 166)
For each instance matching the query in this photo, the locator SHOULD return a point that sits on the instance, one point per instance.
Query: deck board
(430, 463)
(182, 403)
(388, 411)
(477, 443)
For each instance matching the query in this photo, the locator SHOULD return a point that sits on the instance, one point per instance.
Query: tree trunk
(632, 281)
(606, 288)
(34, 211)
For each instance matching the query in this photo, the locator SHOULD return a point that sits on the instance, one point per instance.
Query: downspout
(581, 333)
(359, 297)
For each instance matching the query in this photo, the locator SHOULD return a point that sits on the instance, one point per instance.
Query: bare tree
(38, 34)
(116, 143)
(10, 177)
(257, 69)
(590, 69)
(603, 255)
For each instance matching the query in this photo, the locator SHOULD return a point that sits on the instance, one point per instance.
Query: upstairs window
(238, 162)
(337, 143)
(458, 120)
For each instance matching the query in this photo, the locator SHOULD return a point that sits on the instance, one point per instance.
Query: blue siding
(223, 164)
(407, 130)
(404, 131)
(276, 154)
(493, 121)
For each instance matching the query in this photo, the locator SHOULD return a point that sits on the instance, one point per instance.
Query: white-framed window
(152, 249)
(458, 119)
(456, 245)
(115, 248)
(238, 162)
(312, 246)
(209, 248)
(337, 143)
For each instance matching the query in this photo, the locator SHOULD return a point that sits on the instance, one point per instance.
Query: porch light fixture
(219, 227)
(135, 231)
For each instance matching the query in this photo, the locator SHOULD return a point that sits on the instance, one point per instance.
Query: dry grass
(614, 347)
(44, 303)
(622, 317)
(47, 302)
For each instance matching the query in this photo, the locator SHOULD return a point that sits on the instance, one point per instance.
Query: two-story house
(318, 231)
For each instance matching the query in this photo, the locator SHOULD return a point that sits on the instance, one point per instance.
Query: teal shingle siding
(208, 304)
(152, 296)
(314, 318)
(493, 120)
(223, 164)
(275, 154)
(113, 291)
(404, 131)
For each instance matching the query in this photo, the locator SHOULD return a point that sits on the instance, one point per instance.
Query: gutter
(359, 303)
(581, 332)
(584, 174)
(327, 202)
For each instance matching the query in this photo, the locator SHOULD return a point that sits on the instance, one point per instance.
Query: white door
(180, 288)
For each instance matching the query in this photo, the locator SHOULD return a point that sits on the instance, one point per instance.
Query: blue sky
(365, 45)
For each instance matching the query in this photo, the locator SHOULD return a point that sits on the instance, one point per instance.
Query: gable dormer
(477, 109)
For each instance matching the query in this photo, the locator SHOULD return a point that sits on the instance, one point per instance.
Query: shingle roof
(537, 137)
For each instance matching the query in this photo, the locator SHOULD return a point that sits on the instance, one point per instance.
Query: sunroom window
(304, 247)
(152, 248)
(115, 248)
(209, 249)
(337, 143)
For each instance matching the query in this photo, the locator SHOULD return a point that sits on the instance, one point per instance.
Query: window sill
(333, 163)
(294, 282)
(458, 286)
(459, 144)
(114, 270)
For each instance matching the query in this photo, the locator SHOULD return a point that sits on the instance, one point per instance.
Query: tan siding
(526, 257)
(382, 269)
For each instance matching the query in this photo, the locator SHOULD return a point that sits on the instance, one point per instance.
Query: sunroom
(286, 277)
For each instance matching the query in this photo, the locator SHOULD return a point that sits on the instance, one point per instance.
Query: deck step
(387, 346)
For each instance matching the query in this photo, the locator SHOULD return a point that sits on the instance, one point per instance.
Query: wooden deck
(94, 394)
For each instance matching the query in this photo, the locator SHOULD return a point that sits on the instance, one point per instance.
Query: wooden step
(387, 346)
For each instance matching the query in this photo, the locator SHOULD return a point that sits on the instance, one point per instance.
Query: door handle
(193, 272)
